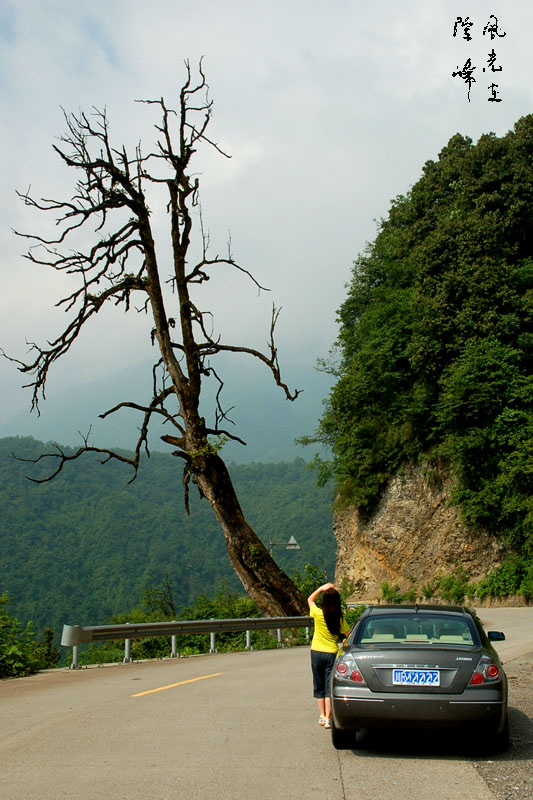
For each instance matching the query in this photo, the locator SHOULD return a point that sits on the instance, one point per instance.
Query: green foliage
(391, 593)
(82, 548)
(211, 448)
(514, 576)
(435, 339)
(410, 596)
(310, 578)
(224, 604)
(20, 653)
(526, 585)
(346, 589)
(157, 604)
(452, 588)
(352, 614)
(313, 576)
(50, 653)
(455, 587)
(430, 588)
(159, 600)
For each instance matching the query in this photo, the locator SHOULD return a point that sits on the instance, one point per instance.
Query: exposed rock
(414, 535)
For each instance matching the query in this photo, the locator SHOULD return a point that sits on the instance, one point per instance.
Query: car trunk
(419, 669)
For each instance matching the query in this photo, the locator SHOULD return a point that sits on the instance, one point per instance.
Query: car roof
(381, 610)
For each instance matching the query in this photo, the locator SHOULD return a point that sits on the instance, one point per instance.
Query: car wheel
(501, 739)
(491, 742)
(342, 740)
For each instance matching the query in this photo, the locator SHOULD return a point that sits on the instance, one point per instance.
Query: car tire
(342, 740)
(501, 739)
(493, 741)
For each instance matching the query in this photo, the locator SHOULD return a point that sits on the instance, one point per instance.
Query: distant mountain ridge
(81, 548)
(263, 418)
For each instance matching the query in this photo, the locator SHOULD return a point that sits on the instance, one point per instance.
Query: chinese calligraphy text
(464, 28)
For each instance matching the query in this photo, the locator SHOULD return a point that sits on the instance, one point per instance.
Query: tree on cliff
(435, 344)
(121, 264)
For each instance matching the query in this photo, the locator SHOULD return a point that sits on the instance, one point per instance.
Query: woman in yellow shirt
(329, 627)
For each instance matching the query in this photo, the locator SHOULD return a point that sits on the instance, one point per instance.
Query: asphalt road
(237, 725)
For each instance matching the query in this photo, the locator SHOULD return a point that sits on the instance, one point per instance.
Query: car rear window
(416, 628)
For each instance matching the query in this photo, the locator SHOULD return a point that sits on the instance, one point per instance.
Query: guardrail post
(248, 640)
(127, 650)
(307, 635)
(280, 641)
(75, 663)
(213, 648)
(174, 647)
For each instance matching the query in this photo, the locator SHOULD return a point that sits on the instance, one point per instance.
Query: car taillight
(347, 669)
(485, 671)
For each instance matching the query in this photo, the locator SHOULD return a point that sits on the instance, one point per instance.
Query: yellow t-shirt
(323, 640)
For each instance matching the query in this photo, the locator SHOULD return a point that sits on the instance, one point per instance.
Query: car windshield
(416, 628)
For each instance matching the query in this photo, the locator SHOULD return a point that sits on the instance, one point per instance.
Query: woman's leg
(322, 664)
(328, 667)
(318, 683)
(322, 706)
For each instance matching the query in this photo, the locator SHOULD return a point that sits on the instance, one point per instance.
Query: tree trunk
(263, 580)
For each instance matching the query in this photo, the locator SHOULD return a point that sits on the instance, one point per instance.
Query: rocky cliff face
(414, 535)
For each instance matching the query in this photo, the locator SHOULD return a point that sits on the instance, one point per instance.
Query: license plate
(416, 677)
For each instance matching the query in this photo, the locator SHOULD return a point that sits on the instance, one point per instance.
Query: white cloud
(329, 111)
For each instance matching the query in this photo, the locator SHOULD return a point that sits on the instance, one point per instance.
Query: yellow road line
(181, 683)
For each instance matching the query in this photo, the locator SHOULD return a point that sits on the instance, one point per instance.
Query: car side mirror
(496, 636)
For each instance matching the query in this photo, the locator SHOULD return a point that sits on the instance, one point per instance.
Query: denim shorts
(322, 665)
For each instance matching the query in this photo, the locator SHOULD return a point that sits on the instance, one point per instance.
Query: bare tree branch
(63, 459)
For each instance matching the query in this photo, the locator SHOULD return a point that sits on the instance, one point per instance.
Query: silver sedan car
(419, 667)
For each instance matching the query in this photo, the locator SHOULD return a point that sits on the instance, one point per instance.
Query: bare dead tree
(122, 263)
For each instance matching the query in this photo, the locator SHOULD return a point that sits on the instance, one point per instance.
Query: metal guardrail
(74, 635)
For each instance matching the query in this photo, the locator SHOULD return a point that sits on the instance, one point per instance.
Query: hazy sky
(329, 110)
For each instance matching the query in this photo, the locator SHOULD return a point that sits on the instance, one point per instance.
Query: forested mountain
(82, 547)
(436, 339)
